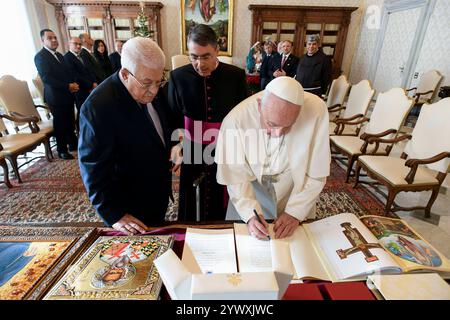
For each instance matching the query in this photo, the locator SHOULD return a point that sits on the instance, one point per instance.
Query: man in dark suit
(115, 56)
(124, 144)
(59, 89)
(286, 63)
(89, 60)
(267, 63)
(83, 76)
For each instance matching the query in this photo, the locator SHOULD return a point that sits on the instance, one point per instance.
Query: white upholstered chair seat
(394, 170)
(13, 144)
(352, 145)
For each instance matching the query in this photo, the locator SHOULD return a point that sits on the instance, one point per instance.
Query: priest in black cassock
(200, 95)
(314, 68)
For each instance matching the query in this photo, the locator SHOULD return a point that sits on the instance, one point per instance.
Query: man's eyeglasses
(76, 43)
(157, 84)
(195, 58)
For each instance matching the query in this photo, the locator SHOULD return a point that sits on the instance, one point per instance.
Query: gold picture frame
(33, 258)
(115, 267)
(217, 14)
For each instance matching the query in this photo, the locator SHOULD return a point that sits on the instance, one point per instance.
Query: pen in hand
(259, 220)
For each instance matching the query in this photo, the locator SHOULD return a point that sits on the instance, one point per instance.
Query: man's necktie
(56, 56)
(283, 61)
(80, 59)
(154, 118)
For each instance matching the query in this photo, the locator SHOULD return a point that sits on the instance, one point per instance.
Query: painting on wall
(218, 14)
(31, 258)
(115, 268)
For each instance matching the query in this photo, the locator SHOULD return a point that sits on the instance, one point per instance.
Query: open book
(337, 248)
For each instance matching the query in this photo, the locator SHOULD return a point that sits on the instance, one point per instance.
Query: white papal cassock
(260, 170)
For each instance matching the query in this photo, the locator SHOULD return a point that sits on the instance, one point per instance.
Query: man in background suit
(124, 144)
(89, 60)
(83, 76)
(286, 63)
(59, 89)
(267, 63)
(115, 56)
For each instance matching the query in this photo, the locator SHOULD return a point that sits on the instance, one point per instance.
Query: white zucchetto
(287, 88)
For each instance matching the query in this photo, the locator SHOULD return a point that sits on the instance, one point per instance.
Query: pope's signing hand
(258, 229)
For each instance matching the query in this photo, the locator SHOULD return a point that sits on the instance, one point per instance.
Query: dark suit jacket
(115, 61)
(290, 65)
(91, 63)
(266, 65)
(124, 164)
(83, 76)
(56, 77)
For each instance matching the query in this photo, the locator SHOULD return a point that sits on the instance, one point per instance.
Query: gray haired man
(124, 144)
(314, 68)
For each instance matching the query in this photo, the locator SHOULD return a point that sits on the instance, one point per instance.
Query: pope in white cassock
(273, 154)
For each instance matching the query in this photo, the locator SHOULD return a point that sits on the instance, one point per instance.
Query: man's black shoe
(65, 156)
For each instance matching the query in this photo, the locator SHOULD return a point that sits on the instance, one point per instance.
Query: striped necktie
(56, 56)
(284, 60)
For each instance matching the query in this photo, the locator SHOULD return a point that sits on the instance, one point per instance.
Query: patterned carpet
(53, 193)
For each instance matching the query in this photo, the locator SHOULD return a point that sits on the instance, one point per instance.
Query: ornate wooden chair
(13, 145)
(37, 81)
(356, 108)
(336, 96)
(429, 146)
(179, 60)
(17, 101)
(426, 90)
(388, 114)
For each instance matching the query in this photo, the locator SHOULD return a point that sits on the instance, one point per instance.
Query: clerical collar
(310, 55)
(217, 65)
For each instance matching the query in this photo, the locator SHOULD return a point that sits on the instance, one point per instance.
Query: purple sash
(195, 130)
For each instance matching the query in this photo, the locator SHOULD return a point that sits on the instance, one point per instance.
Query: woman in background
(101, 54)
(254, 58)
